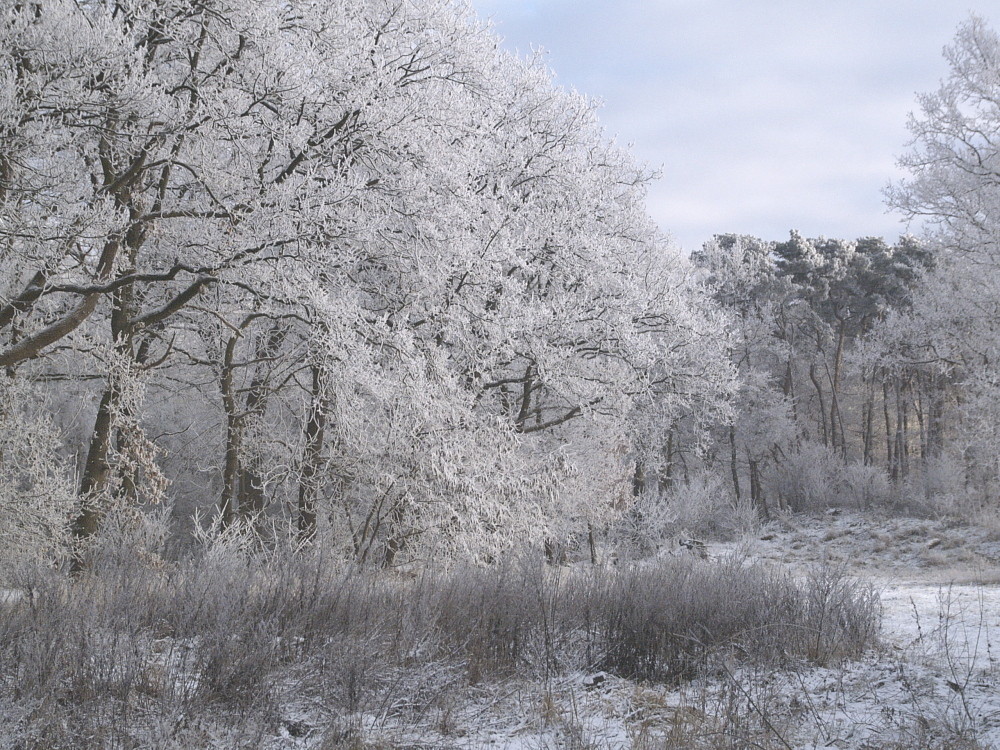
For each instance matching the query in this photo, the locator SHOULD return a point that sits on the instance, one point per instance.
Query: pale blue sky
(763, 116)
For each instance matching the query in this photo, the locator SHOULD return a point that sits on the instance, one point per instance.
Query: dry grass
(231, 650)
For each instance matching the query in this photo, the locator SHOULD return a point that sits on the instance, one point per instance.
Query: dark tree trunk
(638, 479)
(836, 419)
(667, 480)
(395, 541)
(890, 459)
(733, 464)
(757, 492)
(822, 402)
(901, 449)
(869, 423)
(935, 418)
(97, 470)
(230, 469)
(592, 543)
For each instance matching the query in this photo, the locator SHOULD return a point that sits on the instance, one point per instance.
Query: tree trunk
(97, 470)
(250, 487)
(309, 478)
(837, 437)
(890, 460)
(757, 492)
(592, 543)
(920, 402)
(395, 541)
(835, 416)
(788, 389)
(901, 449)
(733, 465)
(230, 469)
(935, 419)
(638, 479)
(667, 480)
(822, 402)
(869, 423)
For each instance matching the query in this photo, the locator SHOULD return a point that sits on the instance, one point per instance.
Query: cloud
(762, 116)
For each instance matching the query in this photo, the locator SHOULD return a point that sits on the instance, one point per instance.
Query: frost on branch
(381, 282)
(36, 497)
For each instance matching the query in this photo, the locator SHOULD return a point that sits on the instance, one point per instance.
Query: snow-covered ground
(892, 549)
(934, 682)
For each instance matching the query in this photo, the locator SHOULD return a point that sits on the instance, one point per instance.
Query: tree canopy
(344, 265)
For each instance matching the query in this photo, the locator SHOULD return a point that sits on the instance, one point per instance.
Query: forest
(342, 292)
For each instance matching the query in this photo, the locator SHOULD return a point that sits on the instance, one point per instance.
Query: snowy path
(963, 619)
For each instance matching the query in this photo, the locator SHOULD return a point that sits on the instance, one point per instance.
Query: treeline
(868, 372)
(353, 276)
(818, 388)
(865, 374)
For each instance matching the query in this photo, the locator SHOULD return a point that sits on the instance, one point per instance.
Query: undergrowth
(232, 649)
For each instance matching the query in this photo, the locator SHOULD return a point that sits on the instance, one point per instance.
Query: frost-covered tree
(347, 266)
(955, 153)
(953, 161)
(800, 311)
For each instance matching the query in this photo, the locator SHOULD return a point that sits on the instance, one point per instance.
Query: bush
(701, 507)
(234, 647)
(815, 477)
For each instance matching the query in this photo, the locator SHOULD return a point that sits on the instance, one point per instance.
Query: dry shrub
(228, 645)
(662, 623)
(815, 477)
(702, 507)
